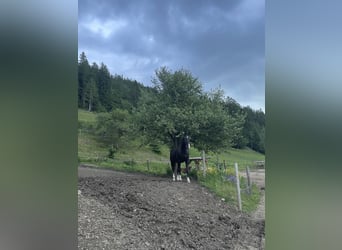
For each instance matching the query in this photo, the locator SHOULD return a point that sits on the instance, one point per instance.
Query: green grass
(86, 116)
(243, 157)
(134, 157)
(91, 150)
(227, 190)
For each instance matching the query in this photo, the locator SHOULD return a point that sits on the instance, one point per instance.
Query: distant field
(244, 157)
(86, 116)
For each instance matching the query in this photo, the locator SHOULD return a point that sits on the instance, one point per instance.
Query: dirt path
(258, 177)
(135, 211)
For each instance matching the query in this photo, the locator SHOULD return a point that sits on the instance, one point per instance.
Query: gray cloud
(220, 42)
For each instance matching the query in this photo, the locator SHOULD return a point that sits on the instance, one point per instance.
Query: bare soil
(134, 211)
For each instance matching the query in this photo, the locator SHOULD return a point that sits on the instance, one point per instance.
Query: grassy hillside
(86, 116)
(141, 158)
(89, 149)
(92, 151)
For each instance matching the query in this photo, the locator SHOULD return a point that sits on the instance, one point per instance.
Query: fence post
(238, 185)
(204, 165)
(248, 180)
(148, 165)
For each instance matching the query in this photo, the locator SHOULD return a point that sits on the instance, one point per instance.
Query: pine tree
(83, 78)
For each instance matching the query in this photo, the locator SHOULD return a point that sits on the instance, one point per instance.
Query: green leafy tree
(234, 109)
(179, 107)
(114, 128)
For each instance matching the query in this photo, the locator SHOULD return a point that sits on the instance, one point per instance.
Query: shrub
(111, 152)
(130, 162)
(193, 174)
(155, 148)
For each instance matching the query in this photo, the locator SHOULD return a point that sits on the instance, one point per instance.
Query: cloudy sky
(220, 42)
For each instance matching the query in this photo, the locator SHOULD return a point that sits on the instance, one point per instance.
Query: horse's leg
(173, 166)
(179, 174)
(175, 171)
(187, 171)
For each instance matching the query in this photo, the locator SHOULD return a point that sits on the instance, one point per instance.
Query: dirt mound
(135, 211)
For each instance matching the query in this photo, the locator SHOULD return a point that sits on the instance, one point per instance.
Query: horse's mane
(184, 145)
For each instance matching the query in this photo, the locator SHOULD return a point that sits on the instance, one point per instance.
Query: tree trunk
(89, 106)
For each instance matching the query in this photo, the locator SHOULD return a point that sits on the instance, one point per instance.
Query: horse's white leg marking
(173, 177)
(188, 179)
(180, 177)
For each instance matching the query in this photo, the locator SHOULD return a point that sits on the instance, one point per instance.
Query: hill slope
(91, 150)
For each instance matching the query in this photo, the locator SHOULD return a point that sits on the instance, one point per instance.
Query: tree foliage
(181, 107)
(175, 105)
(234, 109)
(100, 91)
(114, 128)
(254, 129)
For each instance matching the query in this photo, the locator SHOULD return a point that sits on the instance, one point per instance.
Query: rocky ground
(135, 211)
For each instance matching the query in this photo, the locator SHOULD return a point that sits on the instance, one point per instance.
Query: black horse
(178, 154)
